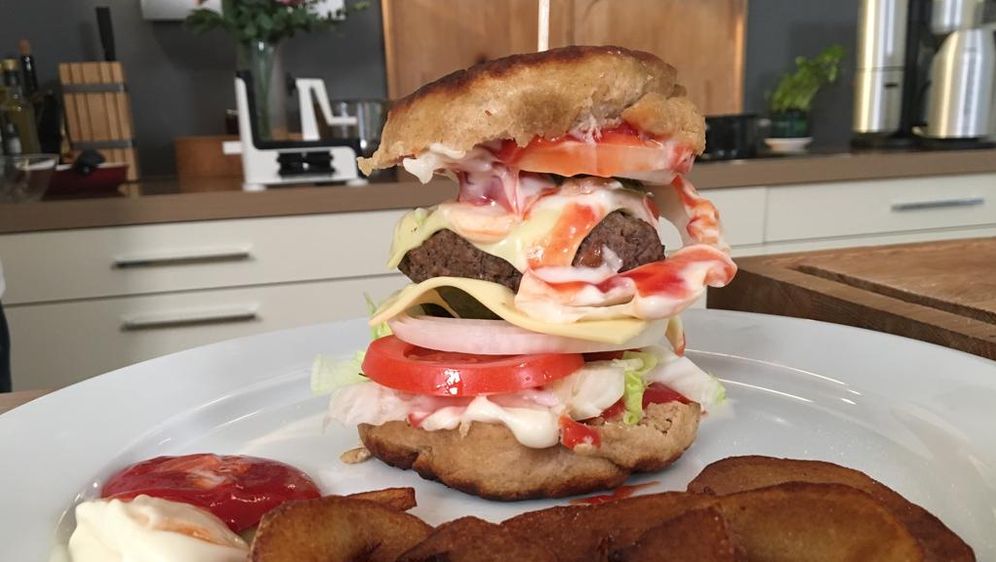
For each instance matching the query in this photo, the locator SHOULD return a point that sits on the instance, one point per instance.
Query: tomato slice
(616, 152)
(409, 368)
(237, 489)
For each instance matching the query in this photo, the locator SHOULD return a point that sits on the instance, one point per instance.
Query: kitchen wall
(780, 30)
(180, 82)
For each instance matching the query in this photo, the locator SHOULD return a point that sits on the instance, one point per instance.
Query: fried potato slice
(737, 474)
(591, 532)
(801, 521)
(335, 529)
(401, 499)
(701, 535)
(470, 539)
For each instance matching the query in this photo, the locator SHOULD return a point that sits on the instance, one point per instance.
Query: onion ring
(498, 337)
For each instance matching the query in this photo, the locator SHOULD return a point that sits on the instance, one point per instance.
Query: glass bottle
(16, 114)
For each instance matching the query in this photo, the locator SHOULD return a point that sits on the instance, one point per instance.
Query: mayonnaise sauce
(148, 529)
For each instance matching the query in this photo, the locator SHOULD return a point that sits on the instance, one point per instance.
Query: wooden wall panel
(427, 39)
(704, 39)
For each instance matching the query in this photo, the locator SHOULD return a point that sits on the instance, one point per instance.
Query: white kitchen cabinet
(146, 259)
(830, 210)
(56, 344)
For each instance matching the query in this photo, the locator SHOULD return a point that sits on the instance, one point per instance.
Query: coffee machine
(925, 74)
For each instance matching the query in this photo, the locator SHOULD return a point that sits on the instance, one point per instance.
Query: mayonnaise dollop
(147, 529)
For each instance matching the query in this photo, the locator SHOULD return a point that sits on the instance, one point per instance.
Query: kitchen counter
(231, 204)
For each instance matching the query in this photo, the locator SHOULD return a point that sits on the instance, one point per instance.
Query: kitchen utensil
(97, 104)
(370, 115)
(25, 178)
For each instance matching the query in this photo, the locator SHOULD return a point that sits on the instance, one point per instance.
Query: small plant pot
(789, 124)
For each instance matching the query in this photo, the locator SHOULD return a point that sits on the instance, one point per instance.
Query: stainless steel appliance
(925, 73)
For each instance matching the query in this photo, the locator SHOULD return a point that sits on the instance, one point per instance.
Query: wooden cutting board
(940, 292)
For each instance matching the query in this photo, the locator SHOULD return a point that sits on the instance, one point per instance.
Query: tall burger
(538, 351)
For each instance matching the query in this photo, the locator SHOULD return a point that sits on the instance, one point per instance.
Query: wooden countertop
(11, 400)
(940, 292)
(231, 204)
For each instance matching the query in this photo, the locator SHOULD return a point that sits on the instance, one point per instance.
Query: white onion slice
(498, 337)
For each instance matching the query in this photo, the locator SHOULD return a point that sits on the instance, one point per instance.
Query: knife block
(98, 111)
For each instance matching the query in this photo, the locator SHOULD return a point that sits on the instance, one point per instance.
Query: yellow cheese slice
(501, 300)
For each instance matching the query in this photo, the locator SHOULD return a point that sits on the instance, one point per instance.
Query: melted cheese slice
(501, 300)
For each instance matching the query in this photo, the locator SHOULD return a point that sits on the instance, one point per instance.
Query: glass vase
(263, 61)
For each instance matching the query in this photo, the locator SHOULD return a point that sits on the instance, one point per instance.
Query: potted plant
(792, 99)
(258, 28)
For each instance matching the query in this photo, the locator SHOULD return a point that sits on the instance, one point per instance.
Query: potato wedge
(335, 529)
(800, 521)
(470, 539)
(591, 532)
(737, 474)
(401, 499)
(701, 535)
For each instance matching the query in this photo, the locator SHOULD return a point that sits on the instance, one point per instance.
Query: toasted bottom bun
(487, 461)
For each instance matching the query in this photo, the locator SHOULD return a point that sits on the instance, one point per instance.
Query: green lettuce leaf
(379, 330)
(635, 364)
(330, 373)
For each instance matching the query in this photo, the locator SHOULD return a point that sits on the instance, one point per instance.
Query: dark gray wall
(780, 30)
(181, 83)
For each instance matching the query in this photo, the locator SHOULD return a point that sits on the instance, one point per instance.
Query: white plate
(792, 145)
(916, 416)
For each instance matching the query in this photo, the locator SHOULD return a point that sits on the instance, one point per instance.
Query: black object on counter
(30, 78)
(87, 162)
(734, 136)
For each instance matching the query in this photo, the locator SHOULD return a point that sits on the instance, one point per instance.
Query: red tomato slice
(237, 489)
(403, 366)
(618, 151)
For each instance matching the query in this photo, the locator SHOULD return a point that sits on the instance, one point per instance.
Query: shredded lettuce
(330, 373)
(378, 330)
(635, 365)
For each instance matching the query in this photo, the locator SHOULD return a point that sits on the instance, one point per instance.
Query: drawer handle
(154, 320)
(938, 204)
(204, 255)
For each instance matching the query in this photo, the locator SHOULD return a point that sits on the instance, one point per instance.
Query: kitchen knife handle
(179, 318)
(938, 204)
(106, 30)
(205, 255)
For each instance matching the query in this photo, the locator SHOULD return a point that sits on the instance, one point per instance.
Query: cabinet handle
(176, 257)
(154, 320)
(938, 204)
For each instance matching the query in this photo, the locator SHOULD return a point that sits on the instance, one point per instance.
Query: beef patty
(445, 253)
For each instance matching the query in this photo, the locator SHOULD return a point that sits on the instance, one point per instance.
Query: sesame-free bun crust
(487, 461)
(542, 94)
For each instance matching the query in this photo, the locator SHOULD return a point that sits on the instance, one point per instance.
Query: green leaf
(796, 91)
(330, 373)
(635, 364)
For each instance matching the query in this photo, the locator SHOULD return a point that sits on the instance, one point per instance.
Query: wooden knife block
(98, 111)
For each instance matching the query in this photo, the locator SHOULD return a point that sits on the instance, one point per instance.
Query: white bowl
(788, 145)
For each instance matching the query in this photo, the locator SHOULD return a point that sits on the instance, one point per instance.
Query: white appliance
(282, 162)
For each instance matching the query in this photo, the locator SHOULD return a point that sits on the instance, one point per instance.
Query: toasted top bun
(543, 94)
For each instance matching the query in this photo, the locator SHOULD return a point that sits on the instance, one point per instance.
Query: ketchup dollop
(237, 489)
